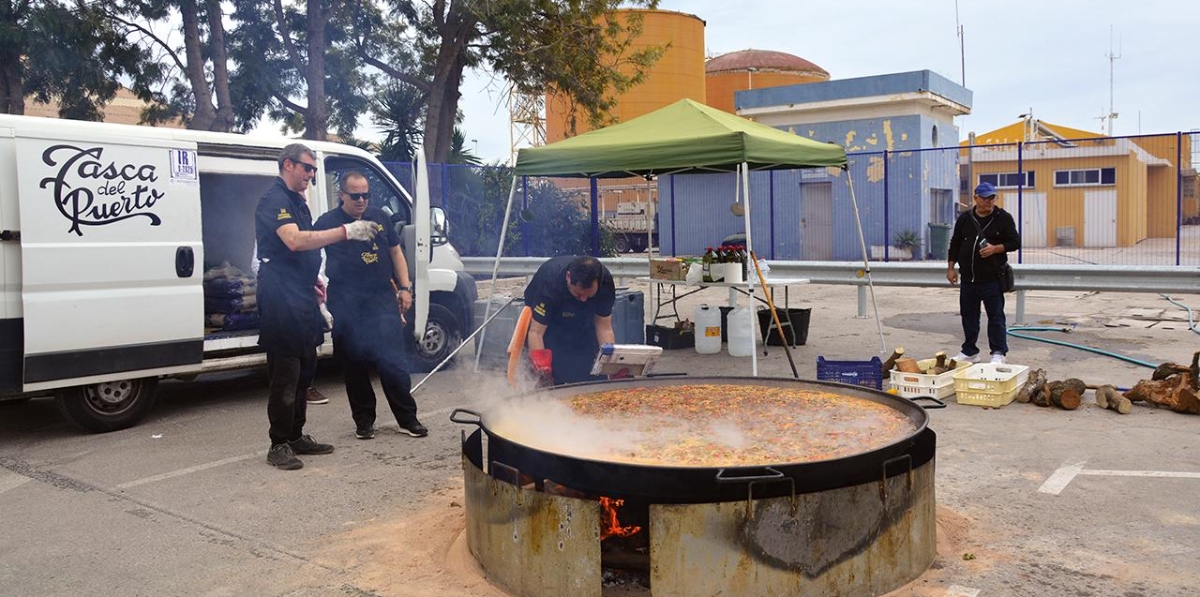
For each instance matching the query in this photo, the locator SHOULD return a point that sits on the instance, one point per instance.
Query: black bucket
(796, 334)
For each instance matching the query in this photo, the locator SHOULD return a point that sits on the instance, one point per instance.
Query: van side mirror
(439, 226)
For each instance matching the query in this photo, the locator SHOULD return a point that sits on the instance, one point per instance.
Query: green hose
(1070, 345)
(1191, 324)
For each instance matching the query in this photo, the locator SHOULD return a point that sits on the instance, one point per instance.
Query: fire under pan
(856, 541)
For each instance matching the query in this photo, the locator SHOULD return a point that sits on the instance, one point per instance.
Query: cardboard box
(668, 269)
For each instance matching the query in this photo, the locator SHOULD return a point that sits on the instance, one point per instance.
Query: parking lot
(1031, 501)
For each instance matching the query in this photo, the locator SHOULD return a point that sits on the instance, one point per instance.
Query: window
(1088, 177)
(1009, 180)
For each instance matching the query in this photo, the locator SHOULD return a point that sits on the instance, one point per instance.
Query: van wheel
(442, 336)
(109, 406)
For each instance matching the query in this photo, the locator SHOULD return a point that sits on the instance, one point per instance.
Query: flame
(609, 524)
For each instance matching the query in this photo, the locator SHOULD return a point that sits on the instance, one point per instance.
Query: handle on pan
(458, 413)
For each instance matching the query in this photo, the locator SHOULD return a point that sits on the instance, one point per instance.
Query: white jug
(708, 329)
(741, 332)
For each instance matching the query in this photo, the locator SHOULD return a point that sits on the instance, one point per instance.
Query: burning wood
(610, 524)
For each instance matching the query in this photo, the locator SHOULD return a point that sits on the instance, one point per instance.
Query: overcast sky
(1048, 55)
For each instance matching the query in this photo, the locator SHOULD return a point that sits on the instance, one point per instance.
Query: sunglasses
(309, 168)
(992, 198)
(358, 196)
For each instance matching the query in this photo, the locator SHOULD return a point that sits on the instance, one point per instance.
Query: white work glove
(360, 230)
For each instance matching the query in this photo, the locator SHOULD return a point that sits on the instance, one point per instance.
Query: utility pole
(962, 51)
(1112, 58)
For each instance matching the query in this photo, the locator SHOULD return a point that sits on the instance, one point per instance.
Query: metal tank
(730, 73)
(677, 75)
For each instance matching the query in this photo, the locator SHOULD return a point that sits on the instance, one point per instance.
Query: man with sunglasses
(289, 295)
(981, 238)
(369, 291)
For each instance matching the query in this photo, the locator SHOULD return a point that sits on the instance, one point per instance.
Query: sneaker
(998, 359)
(365, 433)
(415, 429)
(962, 358)
(307, 445)
(314, 396)
(281, 456)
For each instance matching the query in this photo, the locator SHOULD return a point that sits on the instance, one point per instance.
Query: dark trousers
(290, 377)
(573, 354)
(396, 382)
(969, 298)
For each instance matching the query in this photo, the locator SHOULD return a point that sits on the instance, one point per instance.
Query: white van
(107, 231)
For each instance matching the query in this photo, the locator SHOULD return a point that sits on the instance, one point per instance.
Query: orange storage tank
(754, 69)
(677, 75)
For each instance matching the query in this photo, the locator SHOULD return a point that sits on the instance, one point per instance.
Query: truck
(633, 225)
(108, 232)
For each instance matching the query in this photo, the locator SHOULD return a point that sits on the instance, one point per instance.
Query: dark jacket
(970, 230)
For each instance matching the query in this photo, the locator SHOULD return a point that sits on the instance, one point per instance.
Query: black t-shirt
(355, 266)
(279, 206)
(553, 305)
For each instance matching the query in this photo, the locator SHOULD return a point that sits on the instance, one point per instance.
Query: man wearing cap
(982, 237)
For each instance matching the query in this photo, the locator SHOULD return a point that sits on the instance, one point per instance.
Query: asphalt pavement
(1032, 501)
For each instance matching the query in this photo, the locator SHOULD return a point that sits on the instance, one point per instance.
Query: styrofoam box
(989, 384)
(911, 385)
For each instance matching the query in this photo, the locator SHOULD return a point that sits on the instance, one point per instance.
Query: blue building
(895, 129)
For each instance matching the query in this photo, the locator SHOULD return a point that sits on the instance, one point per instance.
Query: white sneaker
(962, 358)
(998, 359)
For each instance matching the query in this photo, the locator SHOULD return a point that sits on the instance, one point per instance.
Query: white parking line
(1066, 473)
(957, 591)
(11, 481)
(190, 469)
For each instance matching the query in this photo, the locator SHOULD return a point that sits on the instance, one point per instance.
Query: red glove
(542, 361)
(622, 374)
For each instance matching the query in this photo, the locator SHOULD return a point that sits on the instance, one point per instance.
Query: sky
(1050, 56)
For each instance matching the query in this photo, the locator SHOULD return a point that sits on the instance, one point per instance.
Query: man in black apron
(369, 289)
(288, 300)
(572, 300)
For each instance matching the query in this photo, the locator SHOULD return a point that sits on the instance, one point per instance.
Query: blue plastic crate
(857, 373)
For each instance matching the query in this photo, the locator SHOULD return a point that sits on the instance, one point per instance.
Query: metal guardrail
(927, 274)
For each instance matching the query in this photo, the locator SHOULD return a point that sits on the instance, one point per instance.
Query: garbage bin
(796, 334)
(939, 240)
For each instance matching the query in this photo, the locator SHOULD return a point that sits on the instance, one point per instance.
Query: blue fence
(1110, 201)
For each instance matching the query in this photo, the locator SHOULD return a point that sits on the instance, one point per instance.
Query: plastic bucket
(708, 330)
(741, 332)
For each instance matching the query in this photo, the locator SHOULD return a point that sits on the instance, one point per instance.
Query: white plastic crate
(911, 385)
(989, 384)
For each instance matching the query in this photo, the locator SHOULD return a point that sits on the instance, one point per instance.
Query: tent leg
(745, 177)
(862, 303)
(512, 191)
(866, 262)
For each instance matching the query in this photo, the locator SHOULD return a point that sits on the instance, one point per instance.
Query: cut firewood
(908, 365)
(1166, 370)
(1067, 394)
(1108, 397)
(1037, 378)
(1176, 393)
(890, 363)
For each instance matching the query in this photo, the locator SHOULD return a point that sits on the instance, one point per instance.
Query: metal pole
(512, 191)
(478, 351)
(1178, 192)
(862, 243)
(595, 194)
(745, 174)
(887, 239)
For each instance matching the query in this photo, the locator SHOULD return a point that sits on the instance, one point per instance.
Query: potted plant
(910, 241)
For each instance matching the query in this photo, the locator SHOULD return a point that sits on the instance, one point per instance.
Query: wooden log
(1195, 369)
(1033, 385)
(908, 365)
(1166, 370)
(890, 363)
(1176, 393)
(1108, 397)
(1067, 394)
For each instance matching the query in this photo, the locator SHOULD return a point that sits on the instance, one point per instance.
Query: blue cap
(985, 189)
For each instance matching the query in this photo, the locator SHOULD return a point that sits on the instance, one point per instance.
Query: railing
(1110, 278)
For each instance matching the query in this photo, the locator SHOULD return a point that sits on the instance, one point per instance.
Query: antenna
(1112, 58)
(962, 52)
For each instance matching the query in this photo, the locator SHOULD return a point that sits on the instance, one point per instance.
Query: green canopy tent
(684, 137)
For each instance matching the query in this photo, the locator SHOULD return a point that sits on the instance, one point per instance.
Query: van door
(110, 257)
